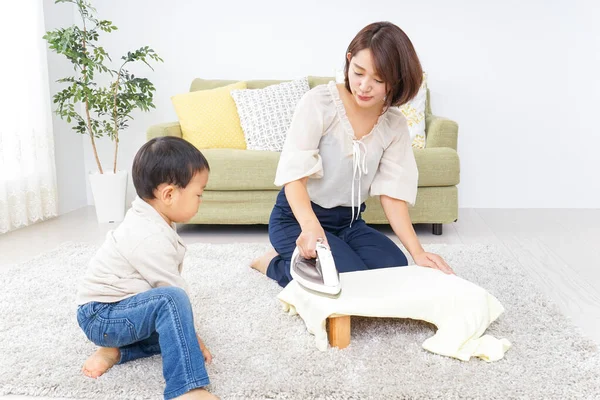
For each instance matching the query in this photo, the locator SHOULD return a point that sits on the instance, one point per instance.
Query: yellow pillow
(209, 118)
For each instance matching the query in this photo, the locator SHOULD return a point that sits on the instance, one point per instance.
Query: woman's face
(368, 90)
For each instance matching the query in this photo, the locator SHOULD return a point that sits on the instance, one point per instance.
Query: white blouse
(343, 171)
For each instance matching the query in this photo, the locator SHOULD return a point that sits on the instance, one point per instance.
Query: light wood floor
(559, 249)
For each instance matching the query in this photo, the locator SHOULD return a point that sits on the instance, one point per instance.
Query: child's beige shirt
(142, 253)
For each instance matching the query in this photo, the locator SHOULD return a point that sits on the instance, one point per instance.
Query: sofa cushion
(414, 111)
(209, 118)
(434, 205)
(266, 114)
(233, 169)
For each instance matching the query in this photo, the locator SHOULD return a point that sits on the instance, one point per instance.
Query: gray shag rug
(262, 353)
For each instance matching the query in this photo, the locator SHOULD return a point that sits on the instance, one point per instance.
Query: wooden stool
(338, 330)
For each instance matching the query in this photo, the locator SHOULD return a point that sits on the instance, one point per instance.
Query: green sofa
(240, 189)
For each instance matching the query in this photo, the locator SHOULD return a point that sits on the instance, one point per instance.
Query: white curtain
(27, 171)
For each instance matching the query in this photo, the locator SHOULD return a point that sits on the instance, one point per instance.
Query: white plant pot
(109, 192)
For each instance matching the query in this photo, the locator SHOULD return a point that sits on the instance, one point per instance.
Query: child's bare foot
(205, 352)
(262, 263)
(198, 394)
(101, 361)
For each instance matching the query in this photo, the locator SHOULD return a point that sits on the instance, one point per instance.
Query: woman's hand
(434, 261)
(397, 213)
(307, 241)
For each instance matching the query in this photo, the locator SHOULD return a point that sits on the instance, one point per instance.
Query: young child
(133, 301)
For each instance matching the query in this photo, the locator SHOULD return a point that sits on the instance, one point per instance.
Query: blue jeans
(159, 321)
(354, 248)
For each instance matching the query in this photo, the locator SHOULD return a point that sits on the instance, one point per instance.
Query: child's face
(185, 201)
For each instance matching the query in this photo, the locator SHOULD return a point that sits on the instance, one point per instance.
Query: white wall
(68, 145)
(521, 78)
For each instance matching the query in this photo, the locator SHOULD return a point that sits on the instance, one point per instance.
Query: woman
(346, 142)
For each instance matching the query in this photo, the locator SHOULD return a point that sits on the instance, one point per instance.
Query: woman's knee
(346, 259)
(393, 257)
(382, 254)
(376, 249)
(283, 236)
(397, 259)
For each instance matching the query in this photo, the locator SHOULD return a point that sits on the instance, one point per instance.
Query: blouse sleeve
(397, 175)
(300, 155)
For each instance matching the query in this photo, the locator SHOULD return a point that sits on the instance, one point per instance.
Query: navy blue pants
(355, 248)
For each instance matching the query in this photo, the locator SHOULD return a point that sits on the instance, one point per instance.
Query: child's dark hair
(165, 159)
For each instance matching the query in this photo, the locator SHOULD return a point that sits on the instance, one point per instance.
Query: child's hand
(205, 352)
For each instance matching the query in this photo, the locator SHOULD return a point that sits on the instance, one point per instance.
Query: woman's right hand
(307, 241)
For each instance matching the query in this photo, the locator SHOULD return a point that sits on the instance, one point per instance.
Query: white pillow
(414, 111)
(266, 114)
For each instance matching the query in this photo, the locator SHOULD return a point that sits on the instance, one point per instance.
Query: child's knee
(174, 296)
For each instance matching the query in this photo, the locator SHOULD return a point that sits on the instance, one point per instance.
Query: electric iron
(317, 274)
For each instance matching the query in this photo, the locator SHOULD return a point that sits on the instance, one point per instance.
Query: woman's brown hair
(395, 58)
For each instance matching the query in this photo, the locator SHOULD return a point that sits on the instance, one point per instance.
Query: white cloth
(461, 310)
(321, 145)
(144, 252)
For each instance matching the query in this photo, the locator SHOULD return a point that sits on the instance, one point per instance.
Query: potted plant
(99, 99)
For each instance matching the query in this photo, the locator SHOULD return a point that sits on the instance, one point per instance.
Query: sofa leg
(437, 229)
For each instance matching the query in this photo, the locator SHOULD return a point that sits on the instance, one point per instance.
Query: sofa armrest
(441, 132)
(166, 129)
